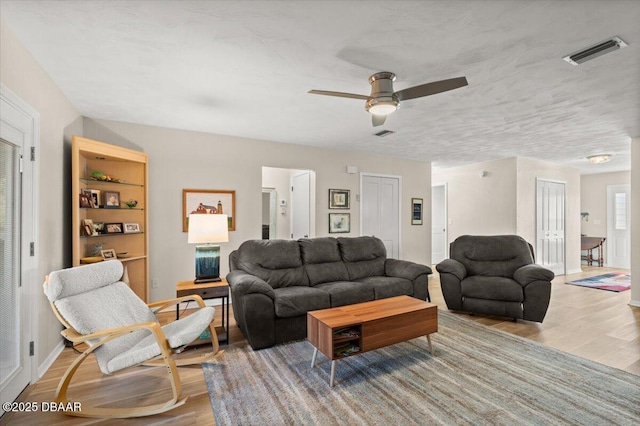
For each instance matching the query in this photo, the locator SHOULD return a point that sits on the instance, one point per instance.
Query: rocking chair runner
(99, 309)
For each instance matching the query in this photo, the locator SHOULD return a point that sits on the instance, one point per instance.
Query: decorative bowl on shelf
(131, 203)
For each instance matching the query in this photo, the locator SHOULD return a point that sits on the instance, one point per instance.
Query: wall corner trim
(48, 362)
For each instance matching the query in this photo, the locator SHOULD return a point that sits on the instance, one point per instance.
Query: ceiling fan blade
(339, 94)
(431, 88)
(378, 120)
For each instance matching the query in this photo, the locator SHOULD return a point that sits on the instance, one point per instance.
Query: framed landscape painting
(208, 201)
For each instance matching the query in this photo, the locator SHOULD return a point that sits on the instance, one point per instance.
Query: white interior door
(19, 126)
(550, 218)
(618, 226)
(300, 202)
(438, 224)
(380, 210)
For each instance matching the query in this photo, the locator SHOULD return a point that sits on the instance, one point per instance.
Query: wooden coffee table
(354, 329)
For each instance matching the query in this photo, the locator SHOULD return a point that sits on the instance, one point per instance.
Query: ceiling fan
(383, 100)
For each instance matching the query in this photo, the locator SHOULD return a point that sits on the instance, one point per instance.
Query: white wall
(280, 179)
(181, 159)
(635, 221)
(528, 171)
(480, 205)
(22, 75)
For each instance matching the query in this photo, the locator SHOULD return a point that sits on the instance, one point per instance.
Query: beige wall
(528, 171)
(635, 221)
(21, 74)
(504, 200)
(480, 205)
(593, 199)
(181, 159)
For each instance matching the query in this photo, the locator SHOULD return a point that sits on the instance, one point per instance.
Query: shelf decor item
(416, 211)
(131, 204)
(108, 254)
(205, 229)
(113, 228)
(208, 201)
(339, 223)
(111, 200)
(130, 228)
(339, 198)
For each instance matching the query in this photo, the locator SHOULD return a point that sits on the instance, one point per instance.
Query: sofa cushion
(497, 255)
(494, 288)
(363, 256)
(322, 261)
(384, 287)
(348, 292)
(278, 262)
(294, 301)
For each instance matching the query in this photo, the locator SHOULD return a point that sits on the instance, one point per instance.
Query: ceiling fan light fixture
(382, 106)
(599, 158)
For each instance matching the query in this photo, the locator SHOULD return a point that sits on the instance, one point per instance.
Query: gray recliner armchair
(495, 275)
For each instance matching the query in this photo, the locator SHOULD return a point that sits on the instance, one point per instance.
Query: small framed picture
(113, 228)
(85, 201)
(339, 223)
(98, 228)
(87, 228)
(130, 228)
(416, 211)
(108, 254)
(111, 200)
(339, 198)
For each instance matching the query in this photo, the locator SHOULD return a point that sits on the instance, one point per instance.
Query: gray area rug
(478, 376)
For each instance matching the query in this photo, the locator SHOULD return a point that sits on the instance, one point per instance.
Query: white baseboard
(574, 271)
(635, 303)
(48, 362)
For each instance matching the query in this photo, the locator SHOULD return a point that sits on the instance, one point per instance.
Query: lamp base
(207, 263)
(206, 280)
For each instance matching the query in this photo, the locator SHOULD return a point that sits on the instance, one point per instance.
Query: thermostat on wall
(283, 203)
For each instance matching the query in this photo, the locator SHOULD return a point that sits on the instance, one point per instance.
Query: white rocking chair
(99, 309)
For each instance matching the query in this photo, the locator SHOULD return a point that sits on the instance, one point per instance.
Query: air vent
(594, 51)
(383, 133)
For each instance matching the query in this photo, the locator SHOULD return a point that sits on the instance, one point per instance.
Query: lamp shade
(208, 228)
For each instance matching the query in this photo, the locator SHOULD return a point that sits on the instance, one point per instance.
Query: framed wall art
(208, 201)
(339, 198)
(416, 211)
(339, 223)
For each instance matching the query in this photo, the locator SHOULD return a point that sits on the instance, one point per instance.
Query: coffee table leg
(333, 372)
(430, 345)
(313, 359)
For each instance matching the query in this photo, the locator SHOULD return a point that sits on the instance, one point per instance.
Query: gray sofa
(495, 275)
(274, 283)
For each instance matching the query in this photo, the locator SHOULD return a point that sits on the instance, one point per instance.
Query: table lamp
(205, 229)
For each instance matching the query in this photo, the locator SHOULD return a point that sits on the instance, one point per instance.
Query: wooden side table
(214, 290)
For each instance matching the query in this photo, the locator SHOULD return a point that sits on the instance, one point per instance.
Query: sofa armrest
(451, 266)
(405, 269)
(530, 273)
(242, 283)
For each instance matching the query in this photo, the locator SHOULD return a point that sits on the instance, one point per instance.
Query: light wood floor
(594, 324)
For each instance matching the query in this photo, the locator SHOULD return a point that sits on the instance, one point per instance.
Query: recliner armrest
(405, 269)
(530, 273)
(242, 283)
(451, 266)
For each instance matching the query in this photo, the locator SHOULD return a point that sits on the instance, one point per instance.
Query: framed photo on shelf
(339, 223)
(208, 201)
(111, 200)
(113, 228)
(94, 197)
(339, 198)
(98, 228)
(416, 211)
(87, 228)
(85, 201)
(131, 228)
(108, 254)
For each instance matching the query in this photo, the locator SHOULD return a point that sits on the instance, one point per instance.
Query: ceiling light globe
(382, 109)
(382, 106)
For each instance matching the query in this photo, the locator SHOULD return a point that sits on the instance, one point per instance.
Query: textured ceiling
(244, 69)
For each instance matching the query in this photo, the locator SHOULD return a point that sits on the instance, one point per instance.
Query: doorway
(438, 223)
(618, 226)
(19, 138)
(550, 225)
(380, 210)
(286, 210)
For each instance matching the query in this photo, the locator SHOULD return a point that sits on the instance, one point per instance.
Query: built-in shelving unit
(129, 178)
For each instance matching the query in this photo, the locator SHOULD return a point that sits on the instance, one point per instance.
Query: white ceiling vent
(383, 133)
(596, 50)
